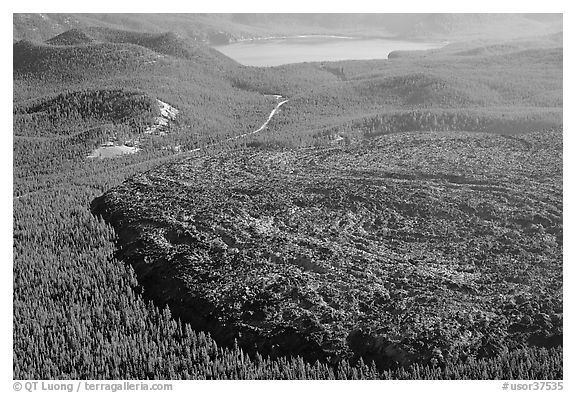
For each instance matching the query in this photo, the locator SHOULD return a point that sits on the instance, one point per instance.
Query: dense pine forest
(79, 310)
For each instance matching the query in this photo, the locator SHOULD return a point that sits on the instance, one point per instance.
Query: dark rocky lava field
(415, 247)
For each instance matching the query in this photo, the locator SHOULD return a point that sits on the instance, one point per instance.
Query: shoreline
(331, 36)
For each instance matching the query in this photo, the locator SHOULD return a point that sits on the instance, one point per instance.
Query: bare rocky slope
(413, 247)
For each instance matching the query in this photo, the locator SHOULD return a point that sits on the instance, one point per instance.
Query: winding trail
(266, 122)
(262, 127)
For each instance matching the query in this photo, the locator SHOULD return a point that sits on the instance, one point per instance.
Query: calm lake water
(273, 52)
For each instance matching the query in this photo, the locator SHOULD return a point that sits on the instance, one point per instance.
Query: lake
(278, 51)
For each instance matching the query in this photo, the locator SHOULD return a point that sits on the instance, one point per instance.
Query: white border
(294, 6)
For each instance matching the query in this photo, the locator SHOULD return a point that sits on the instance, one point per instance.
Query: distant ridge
(167, 43)
(224, 28)
(71, 37)
(82, 51)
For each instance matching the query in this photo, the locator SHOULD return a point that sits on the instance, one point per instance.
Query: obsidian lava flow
(408, 247)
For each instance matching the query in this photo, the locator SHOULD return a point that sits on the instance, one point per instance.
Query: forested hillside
(500, 92)
(81, 310)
